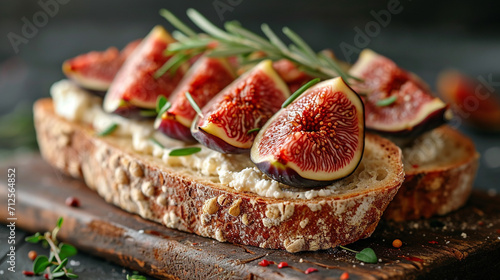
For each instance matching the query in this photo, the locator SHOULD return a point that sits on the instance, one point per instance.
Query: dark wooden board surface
(462, 245)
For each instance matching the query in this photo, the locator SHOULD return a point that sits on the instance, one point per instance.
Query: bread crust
(437, 190)
(139, 184)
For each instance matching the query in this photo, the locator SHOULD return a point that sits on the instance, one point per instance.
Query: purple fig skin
(289, 176)
(132, 112)
(215, 143)
(176, 130)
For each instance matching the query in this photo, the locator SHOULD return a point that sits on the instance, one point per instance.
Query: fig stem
(298, 92)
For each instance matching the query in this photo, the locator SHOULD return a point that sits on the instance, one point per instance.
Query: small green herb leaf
(184, 151)
(57, 274)
(34, 238)
(162, 105)
(60, 266)
(147, 113)
(59, 222)
(299, 92)
(108, 130)
(387, 101)
(66, 250)
(40, 264)
(253, 130)
(193, 104)
(156, 142)
(135, 276)
(367, 255)
(71, 275)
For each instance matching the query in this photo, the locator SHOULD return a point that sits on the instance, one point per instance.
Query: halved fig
(135, 84)
(412, 110)
(96, 70)
(473, 101)
(315, 140)
(244, 105)
(207, 77)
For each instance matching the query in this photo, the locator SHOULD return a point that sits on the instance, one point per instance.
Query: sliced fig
(207, 77)
(291, 74)
(410, 108)
(315, 140)
(244, 105)
(135, 84)
(474, 102)
(96, 70)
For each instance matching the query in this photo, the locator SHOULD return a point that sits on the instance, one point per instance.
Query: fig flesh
(246, 104)
(135, 84)
(314, 141)
(207, 77)
(96, 70)
(413, 109)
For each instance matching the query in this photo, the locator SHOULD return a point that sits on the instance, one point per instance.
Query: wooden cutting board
(462, 245)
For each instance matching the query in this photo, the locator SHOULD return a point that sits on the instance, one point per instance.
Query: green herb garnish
(110, 129)
(299, 92)
(366, 255)
(148, 113)
(156, 142)
(234, 39)
(193, 104)
(253, 130)
(135, 276)
(162, 105)
(55, 264)
(387, 101)
(184, 151)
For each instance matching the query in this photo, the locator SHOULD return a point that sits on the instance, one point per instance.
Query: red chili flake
(415, 259)
(282, 264)
(264, 262)
(28, 273)
(72, 201)
(310, 270)
(414, 165)
(433, 242)
(344, 276)
(481, 223)
(46, 275)
(498, 231)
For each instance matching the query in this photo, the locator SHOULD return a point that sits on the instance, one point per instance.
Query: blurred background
(425, 37)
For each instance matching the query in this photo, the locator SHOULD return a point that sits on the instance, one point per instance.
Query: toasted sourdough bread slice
(145, 185)
(440, 167)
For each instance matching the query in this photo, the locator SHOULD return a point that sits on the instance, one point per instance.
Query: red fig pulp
(414, 109)
(315, 140)
(246, 104)
(207, 77)
(96, 70)
(135, 84)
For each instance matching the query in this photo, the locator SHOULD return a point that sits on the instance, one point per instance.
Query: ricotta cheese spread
(235, 171)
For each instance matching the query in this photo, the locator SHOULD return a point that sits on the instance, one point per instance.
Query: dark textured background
(426, 37)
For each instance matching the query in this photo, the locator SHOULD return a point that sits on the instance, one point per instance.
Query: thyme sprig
(55, 264)
(235, 40)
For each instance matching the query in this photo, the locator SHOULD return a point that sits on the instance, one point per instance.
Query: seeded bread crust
(433, 188)
(144, 185)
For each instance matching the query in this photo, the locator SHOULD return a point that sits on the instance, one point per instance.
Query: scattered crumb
(379, 260)
(74, 263)
(141, 231)
(1, 272)
(464, 235)
(447, 241)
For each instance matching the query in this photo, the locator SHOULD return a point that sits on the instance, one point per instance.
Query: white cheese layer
(235, 171)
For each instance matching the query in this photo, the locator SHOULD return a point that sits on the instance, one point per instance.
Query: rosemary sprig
(386, 101)
(235, 40)
(184, 151)
(253, 130)
(193, 104)
(299, 92)
(109, 130)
